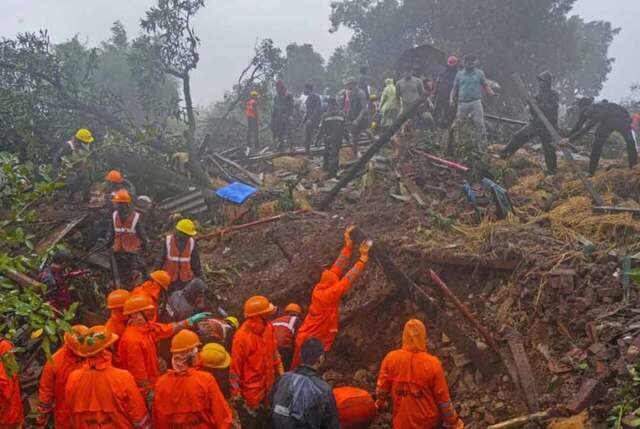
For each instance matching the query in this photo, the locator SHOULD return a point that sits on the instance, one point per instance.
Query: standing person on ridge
(312, 114)
(324, 312)
(332, 132)
(444, 113)
(355, 105)
(282, 116)
(389, 104)
(285, 329)
(74, 154)
(253, 128)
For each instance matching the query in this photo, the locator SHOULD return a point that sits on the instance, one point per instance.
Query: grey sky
(230, 28)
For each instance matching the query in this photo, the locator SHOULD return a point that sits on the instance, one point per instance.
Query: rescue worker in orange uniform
(115, 303)
(128, 238)
(54, 379)
(285, 329)
(179, 256)
(255, 363)
(137, 350)
(415, 379)
(158, 281)
(116, 182)
(322, 320)
(99, 395)
(186, 397)
(11, 414)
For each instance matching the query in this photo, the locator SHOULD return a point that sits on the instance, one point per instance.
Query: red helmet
(452, 61)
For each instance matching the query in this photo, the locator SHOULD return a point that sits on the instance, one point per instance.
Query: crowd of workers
(163, 360)
(453, 96)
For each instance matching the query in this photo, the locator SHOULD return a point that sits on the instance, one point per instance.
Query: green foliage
(24, 310)
(628, 396)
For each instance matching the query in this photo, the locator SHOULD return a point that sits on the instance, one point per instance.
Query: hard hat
(186, 226)
(184, 341)
(117, 298)
(71, 337)
(452, 61)
(95, 339)
(114, 176)
(233, 321)
(214, 355)
(258, 306)
(162, 278)
(373, 97)
(137, 303)
(545, 77)
(293, 307)
(254, 93)
(122, 196)
(84, 135)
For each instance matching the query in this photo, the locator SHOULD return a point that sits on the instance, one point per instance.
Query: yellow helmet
(186, 226)
(254, 93)
(84, 135)
(214, 355)
(233, 321)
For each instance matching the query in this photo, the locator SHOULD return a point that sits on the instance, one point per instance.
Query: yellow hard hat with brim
(186, 226)
(215, 356)
(84, 135)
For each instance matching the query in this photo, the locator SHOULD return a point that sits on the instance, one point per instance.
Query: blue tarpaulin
(236, 192)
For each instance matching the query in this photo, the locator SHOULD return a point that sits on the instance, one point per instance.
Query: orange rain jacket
(101, 396)
(417, 384)
(190, 400)
(322, 320)
(11, 414)
(52, 384)
(138, 354)
(254, 359)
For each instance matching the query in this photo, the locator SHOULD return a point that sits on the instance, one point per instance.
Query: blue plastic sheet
(236, 192)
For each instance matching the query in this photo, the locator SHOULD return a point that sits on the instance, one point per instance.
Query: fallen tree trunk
(384, 139)
(484, 360)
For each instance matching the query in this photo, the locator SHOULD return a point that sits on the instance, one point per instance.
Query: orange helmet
(122, 196)
(117, 298)
(258, 306)
(95, 339)
(293, 308)
(114, 176)
(162, 278)
(71, 337)
(184, 341)
(137, 303)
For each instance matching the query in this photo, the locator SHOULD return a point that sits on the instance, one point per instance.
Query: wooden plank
(251, 176)
(59, 233)
(616, 210)
(416, 192)
(505, 120)
(525, 374)
(485, 360)
(556, 139)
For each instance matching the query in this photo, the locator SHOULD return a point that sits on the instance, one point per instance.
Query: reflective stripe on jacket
(177, 263)
(125, 237)
(284, 328)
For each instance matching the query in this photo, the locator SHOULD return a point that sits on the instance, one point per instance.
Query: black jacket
(610, 115)
(548, 102)
(302, 400)
(313, 109)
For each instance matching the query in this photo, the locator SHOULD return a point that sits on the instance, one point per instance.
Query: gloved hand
(381, 405)
(364, 250)
(191, 321)
(348, 242)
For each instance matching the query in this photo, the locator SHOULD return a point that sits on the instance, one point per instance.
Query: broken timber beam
(484, 360)
(271, 235)
(464, 260)
(222, 231)
(556, 139)
(59, 233)
(251, 176)
(525, 374)
(505, 120)
(464, 310)
(384, 139)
